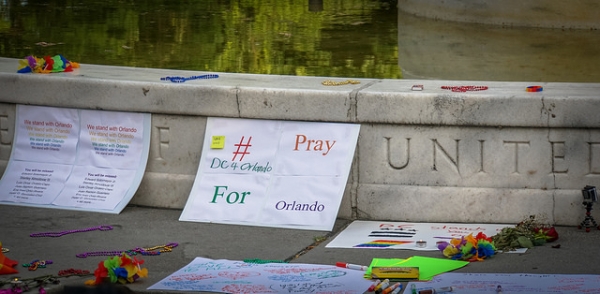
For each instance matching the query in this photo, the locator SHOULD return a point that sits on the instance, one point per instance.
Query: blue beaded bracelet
(184, 79)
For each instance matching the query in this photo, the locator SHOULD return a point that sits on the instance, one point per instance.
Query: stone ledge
(487, 156)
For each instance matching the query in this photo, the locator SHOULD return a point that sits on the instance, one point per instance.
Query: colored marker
(413, 289)
(397, 290)
(351, 266)
(390, 288)
(374, 285)
(382, 286)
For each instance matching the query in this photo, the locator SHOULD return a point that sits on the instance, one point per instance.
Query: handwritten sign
(76, 159)
(230, 276)
(272, 173)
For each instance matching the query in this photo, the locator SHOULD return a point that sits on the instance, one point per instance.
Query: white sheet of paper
(44, 134)
(33, 182)
(259, 135)
(315, 149)
(230, 276)
(302, 198)
(111, 139)
(272, 173)
(95, 188)
(404, 235)
(233, 192)
(474, 283)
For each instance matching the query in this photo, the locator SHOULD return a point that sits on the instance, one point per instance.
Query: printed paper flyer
(76, 159)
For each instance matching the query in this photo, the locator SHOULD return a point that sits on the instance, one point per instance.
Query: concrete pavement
(148, 227)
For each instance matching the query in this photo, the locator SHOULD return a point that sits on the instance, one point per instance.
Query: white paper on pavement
(404, 235)
(475, 283)
(230, 276)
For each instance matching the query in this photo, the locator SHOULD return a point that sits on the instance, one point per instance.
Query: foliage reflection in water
(343, 38)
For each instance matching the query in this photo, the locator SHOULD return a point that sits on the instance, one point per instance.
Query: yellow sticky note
(218, 142)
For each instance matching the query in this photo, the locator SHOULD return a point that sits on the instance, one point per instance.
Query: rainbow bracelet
(534, 89)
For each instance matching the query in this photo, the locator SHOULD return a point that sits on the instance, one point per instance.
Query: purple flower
(442, 245)
(32, 62)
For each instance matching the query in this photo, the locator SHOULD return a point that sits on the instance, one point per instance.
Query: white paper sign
(76, 159)
(272, 173)
(230, 276)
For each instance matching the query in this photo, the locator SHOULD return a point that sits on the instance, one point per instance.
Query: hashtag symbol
(239, 146)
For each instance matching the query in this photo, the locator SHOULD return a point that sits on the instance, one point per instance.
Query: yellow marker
(383, 285)
(218, 142)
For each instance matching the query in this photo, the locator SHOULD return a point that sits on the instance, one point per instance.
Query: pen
(374, 285)
(351, 266)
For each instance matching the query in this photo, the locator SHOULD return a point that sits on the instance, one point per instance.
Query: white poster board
(76, 159)
(272, 173)
(231, 276)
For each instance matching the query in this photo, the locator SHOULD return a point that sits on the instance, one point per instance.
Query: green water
(343, 38)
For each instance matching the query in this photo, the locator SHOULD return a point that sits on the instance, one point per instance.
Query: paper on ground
(475, 283)
(230, 276)
(404, 235)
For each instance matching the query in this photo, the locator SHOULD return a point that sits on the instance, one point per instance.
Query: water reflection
(338, 38)
(431, 49)
(349, 38)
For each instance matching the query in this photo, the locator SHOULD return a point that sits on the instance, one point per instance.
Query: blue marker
(397, 290)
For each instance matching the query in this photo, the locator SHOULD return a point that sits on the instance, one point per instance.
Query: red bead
(464, 88)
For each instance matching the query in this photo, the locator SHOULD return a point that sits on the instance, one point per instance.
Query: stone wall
(494, 156)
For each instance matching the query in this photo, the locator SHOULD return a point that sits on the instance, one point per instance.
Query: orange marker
(391, 288)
